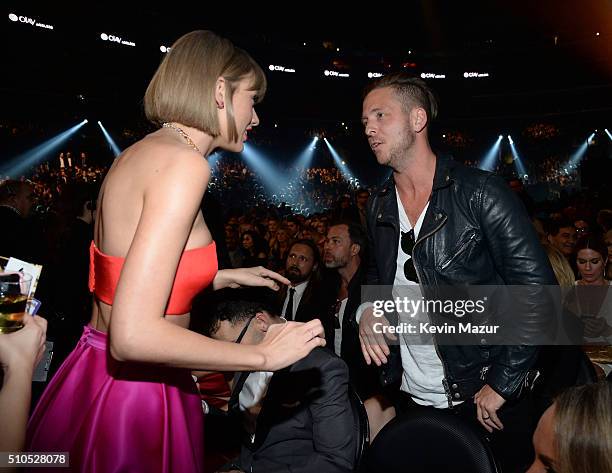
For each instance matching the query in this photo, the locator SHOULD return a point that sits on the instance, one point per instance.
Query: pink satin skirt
(119, 417)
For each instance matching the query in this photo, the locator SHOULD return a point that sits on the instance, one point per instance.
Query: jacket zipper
(458, 252)
(447, 391)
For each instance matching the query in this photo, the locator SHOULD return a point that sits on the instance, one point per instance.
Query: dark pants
(512, 446)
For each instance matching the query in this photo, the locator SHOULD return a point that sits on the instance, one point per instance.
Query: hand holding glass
(14, 290)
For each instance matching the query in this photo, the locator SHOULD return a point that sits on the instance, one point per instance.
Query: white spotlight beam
(340, 163)
(518, 162)
(576, 158)
(109, 140)
(265, 170)
(20, 164)
(305, 158)
(488, 162)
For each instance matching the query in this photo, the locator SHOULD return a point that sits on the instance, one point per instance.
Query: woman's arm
(138, 330)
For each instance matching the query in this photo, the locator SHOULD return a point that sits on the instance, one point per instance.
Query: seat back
(362, 425)
(429, 440)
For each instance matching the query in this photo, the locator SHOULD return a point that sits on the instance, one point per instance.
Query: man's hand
(488, 402)
(373, 344)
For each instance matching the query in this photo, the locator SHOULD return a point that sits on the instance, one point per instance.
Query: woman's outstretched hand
(257, 276)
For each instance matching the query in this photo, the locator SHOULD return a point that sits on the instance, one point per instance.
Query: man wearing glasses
(301, 417)
(436, 223)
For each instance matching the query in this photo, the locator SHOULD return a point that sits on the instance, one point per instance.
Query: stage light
(576, 158)
(518, 162)
(304, 159)
(340, 163)
(591, 139)
(488, 162)
(165, 49)
(374, 75)
(608, 133)
(265, 170)
(214, 158)
(111, 143)
(21, 163)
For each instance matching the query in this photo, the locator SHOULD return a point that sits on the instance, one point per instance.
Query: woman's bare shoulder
(156, 160)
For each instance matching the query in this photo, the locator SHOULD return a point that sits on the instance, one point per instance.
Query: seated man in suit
(304, 419)
(312, 292)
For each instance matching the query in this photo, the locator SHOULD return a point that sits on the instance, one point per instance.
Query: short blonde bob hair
(183, 87)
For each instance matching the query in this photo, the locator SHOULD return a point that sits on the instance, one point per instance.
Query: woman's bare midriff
(101, 314)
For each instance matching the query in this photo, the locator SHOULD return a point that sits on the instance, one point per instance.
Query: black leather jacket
(475, 232)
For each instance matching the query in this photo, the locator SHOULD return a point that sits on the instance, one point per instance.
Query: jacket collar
(443, 176)
(388, 211)
(444, 172)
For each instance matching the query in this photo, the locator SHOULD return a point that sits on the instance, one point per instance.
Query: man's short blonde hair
(183, 87)
(412, 92)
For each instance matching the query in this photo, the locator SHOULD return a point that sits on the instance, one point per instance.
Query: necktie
(289, 311)
(239, 380)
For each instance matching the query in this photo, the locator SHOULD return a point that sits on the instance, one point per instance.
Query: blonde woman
(124, 400)
(575, 434)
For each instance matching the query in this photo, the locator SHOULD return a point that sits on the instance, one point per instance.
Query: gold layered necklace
(183, 134)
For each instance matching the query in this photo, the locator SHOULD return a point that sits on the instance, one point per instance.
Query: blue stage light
(488, 162)
(518, 162)
(109, 140)
(340, 163)
(574, 160)
(18, 165)
(265, 170)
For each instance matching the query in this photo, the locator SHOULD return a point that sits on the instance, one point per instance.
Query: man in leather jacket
(434, 223)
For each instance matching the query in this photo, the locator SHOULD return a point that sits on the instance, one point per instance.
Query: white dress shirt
(297, 297)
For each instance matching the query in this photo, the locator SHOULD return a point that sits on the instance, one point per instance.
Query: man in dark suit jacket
(18, 238)
(312, 293)
(306, 422)
(345, 247)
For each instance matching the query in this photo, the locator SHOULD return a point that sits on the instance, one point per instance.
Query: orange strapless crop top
(196, 270)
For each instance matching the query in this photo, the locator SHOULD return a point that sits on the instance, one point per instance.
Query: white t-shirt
(422, 368)
(338, 331)
(254, 389)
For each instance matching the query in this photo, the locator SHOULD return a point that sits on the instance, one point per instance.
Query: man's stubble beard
(400, 152)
